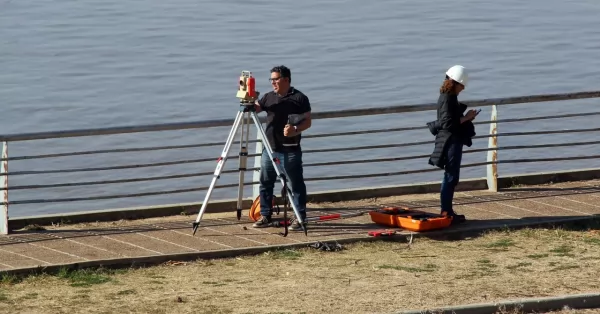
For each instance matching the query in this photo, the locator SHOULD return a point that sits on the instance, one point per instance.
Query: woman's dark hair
(448, 86)
(283, 71)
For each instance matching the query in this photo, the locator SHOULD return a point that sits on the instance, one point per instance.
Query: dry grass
(380, 277)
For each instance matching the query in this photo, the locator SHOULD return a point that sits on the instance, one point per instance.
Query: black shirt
(282, 110)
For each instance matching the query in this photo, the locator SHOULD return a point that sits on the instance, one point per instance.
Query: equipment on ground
(285, 221)
(381, 233)
(409, 219)
(248, 96)
(459, 74)
(254, 213)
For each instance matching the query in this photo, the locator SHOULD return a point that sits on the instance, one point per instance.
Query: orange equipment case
(409, 219)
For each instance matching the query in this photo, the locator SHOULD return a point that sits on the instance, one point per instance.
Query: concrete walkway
(157, 240)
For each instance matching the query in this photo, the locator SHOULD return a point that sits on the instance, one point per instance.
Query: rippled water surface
(85, 64)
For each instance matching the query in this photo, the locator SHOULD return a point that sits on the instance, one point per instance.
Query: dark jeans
(291, 164)
(451, 174)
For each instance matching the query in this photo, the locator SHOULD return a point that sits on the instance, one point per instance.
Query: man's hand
(289, 131)
(257, 107)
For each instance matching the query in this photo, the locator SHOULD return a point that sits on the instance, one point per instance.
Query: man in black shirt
(288, 114)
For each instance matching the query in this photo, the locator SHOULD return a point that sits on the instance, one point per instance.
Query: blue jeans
(291, 164)
(451, 174)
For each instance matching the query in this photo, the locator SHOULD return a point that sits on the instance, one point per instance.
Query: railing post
(492, 156)
(257, 159)
(4, 185)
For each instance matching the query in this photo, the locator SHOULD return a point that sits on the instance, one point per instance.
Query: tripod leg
(243, 160)
(220, 164)
(283, 178)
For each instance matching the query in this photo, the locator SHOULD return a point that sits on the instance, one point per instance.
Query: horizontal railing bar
(585, 114)
(385, 174)
(530, 146)
(515, 147)
(315, 115)
(316, 151)
(538, 133)
(155, 148)
(358, 161)
(92, 198)
(514, 161)
(307, 179)
(75, 199)
(366, 132)
(169, 163)
(322, 151)
(186, 175)
(157, 164)
(122, 150)
(85, 183)
(328, 150)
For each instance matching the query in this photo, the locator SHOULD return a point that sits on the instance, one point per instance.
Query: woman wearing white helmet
(452, 130)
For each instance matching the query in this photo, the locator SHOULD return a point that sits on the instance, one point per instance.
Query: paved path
(162, 239)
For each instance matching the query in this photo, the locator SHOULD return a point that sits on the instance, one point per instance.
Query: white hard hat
(458, 74)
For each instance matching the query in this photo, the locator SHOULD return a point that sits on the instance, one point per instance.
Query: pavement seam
(159, 239)
(507, 205)
(237, 236)
(576, 201)
(560, 207)
(579, 193)
(29, 257)
(58, 251)
(265, 232)
(88, 245)
(201, 238)
(131, 244)
(490, 211)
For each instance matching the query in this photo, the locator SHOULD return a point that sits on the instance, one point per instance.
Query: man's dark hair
(283, 71)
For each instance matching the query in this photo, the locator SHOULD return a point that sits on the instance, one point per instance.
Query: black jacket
(447, 127)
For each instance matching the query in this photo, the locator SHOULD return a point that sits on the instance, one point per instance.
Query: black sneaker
(295, 225)
(456, 218)
(263, 222)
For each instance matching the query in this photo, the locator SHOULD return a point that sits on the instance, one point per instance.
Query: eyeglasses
(274, 79)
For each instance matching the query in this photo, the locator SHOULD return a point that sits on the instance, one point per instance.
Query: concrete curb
(226, 253)
(577, 301)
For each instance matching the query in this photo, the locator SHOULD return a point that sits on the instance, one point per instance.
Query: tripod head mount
(247, 89)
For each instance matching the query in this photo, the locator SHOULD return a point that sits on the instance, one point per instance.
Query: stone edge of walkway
(150, 260)
(576, 301)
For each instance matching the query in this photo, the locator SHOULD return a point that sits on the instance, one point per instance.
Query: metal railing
(91, 172)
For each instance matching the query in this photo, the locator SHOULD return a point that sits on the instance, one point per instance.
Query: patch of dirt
(378, 277)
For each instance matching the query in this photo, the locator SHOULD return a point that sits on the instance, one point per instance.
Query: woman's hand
(471, 114)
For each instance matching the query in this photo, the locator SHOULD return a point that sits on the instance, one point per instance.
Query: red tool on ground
(382, 233)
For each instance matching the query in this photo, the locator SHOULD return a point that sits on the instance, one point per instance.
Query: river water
(85, 64)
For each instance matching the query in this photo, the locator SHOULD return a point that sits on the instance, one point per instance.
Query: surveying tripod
(247, 111)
